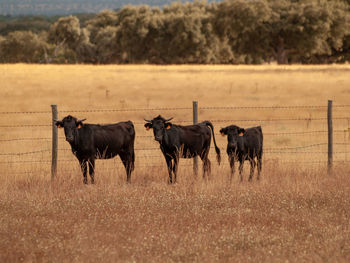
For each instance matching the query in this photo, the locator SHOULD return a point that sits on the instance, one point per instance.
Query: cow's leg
(206, 162)
(131, 163)
(259, 163)
(252, 167)
(175, 166)
(128, 162)
(84, 170)
(206, 167)
(231, 160)
(241, 162)
(92, 170)
(170, 167)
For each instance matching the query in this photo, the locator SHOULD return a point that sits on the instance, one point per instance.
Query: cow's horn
(147, 120)
(82, 120)
(169, 119)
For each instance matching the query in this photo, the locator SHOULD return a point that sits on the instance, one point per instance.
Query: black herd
(94, 141)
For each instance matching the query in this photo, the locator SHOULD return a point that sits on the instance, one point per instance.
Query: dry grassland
(296, 213)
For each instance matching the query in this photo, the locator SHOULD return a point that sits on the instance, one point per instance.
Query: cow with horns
(178, 141)
(94, 141)
(244, 144)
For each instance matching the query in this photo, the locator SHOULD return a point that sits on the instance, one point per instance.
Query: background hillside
(64, 7)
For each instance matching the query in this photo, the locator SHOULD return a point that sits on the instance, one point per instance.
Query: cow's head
(233, 133)
(159, 125)
(70, 125)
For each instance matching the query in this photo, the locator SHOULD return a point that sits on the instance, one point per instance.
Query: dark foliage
(234, 32)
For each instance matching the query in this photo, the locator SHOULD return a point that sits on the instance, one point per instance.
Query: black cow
(94, 141)
(178, 141)
(244, 144)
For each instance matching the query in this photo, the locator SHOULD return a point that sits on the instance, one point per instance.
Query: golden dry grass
(296, 213)
(290, 215)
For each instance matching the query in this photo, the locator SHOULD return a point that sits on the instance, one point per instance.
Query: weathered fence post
(330, 136)
(54, 142)
(195, 121)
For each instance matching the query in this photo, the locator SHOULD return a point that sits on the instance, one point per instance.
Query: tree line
(228, 32)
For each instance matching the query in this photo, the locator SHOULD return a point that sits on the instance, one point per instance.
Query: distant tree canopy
(31, 46)
(229, 32)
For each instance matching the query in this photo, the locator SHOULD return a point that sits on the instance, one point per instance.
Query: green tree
(244, 25)
(106, 18)
(338, 39)
(66, 30)
(103, 28)
(303, 30)
(187, 34)
(299, 28)
(23, 46)
(105, 46)
(180, 33)
(282, 30)
(66, 34)
(132, 30)
(85, 50)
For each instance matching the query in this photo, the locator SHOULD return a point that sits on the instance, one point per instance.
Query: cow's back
(194, 135)
(191, 139)
(109, 139)
(253, 138)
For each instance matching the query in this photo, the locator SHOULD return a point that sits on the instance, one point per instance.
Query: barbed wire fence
(316, 137)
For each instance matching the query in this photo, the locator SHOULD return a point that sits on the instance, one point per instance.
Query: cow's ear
(148, 126)
(241, 131)
(168, 125)
(223, 131)
(80, 125)
(59, 124)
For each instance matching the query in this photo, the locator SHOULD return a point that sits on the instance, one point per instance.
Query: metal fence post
(54, 142)
(195, 121)
(330, 136)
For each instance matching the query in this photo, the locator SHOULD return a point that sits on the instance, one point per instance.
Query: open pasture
(297, 212)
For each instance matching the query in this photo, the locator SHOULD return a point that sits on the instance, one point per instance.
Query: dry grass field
(295, 213)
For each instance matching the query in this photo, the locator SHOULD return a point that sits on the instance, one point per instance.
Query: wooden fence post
(54, 142)
(330, 136)
(195, 121)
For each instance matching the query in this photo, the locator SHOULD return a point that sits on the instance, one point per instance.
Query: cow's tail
(131, 129)
(218, 157)
(262, 140)
(132, 153)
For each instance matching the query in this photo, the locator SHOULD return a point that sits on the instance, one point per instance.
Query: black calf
(244, 144)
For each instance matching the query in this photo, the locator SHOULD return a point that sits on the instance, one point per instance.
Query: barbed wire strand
(128, 110)
(23, 153)
(271, 107)
(25, 125)
(188, 121)
(217, 134)
(178, 108)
